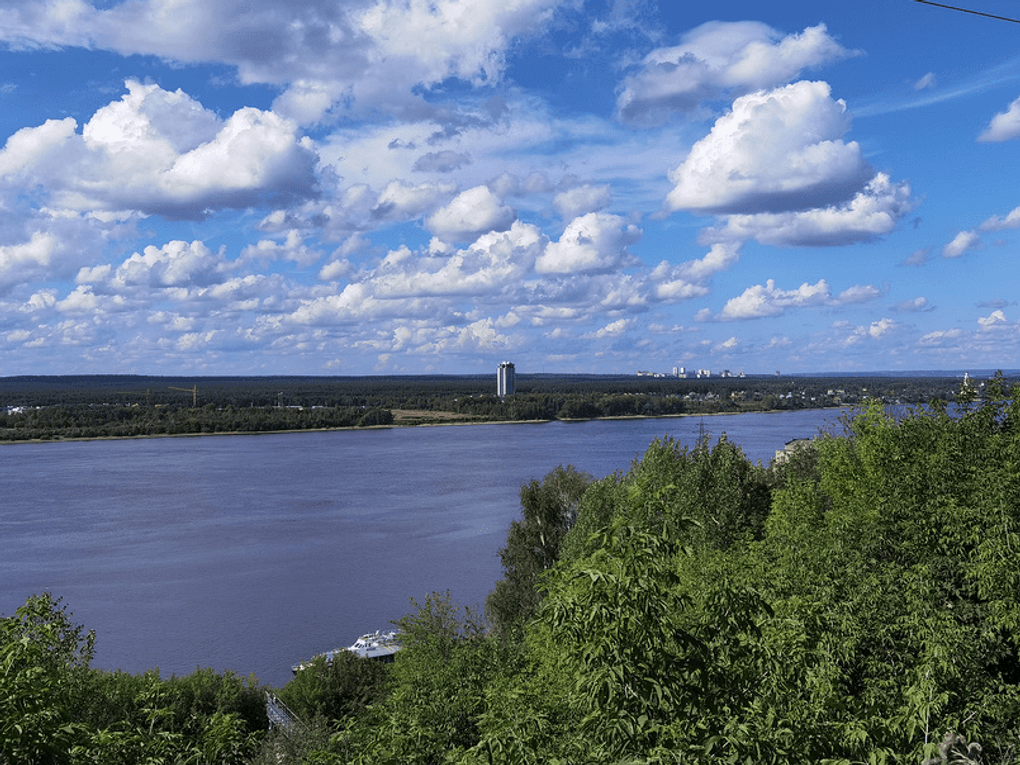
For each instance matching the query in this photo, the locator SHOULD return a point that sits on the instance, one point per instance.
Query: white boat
(377, 645)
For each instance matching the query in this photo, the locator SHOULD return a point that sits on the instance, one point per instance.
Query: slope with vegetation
(858, 603)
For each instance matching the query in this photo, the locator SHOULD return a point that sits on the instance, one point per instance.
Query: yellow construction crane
(192, 391)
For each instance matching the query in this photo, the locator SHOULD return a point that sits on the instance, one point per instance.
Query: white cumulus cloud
(763, 300)
(871, 214)
(358, 53)
(591, 243)
(720, 58)
(494, 262)
(774, 151)
(680, 282)
(401, 200)
(28, 260)
(162, 153)
(995, 223)
(614, 329)
(580, 200)
(1004, 126)
(961, 243)
(469, 214)
(175, 264)
(994, 318)
(917, 305)
(873, 331)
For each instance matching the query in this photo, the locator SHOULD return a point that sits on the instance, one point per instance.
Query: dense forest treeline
(44, 408)
(858, 602)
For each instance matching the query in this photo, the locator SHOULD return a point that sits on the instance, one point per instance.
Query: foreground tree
(548, 512)
(869, 612)
(43, 657)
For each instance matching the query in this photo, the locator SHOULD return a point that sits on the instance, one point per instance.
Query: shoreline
(442, 424)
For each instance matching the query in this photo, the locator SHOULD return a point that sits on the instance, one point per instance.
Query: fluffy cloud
(673, 283)
(424, 339)
(995, 223)
(775, 151)
(917, 305)
(470, 213)
(767, 300)
(992, 320)
(175, 264)
(594, 242)
(28, 260)
(367, 53)
(446, 38)
(926, 82)
(496, 261)
(1004, 126)
(580, 200)
(404, 201)
(292, 248)
(872, 213)
(859, 293)
(163, 153)
(762, 300)
(616, 328)
(717, 58)
(874, 331)
(962, 242)
(917, 257)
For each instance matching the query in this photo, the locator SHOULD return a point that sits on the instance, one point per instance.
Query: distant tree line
(131, 406)
(120, 421)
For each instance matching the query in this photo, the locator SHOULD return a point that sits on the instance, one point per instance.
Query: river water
(249, 553)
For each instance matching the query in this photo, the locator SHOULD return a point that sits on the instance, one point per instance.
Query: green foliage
(42, 658)
(54, 708)
(336, 689)
(857, 604)
(595, 514)
(374, 417)
(315, 740)
(711, 492)
(614, 618)
(202, 718)
(888, 558)
(440, 677)
(548, 511)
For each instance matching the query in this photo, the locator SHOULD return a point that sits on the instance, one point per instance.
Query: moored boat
(379, 645)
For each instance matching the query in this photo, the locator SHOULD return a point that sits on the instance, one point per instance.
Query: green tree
(864, 614)
(336, 689)
(440, 677)
(43, 656)
(548, 511)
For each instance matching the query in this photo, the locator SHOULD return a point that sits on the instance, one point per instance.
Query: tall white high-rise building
(505, 383)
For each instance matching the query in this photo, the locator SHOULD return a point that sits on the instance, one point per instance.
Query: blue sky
(433, 186)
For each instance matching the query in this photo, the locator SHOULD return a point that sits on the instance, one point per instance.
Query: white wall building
(505, 382)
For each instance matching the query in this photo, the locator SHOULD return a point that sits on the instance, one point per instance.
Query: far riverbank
(410, 419)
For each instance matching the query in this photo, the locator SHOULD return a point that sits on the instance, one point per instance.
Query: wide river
(249, 553)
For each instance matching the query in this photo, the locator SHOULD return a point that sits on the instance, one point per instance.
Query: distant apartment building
(505, 382)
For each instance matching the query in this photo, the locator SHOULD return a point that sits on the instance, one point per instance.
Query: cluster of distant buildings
(685, 373)
(506, 384)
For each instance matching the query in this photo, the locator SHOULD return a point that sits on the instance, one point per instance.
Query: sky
(354, 187)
